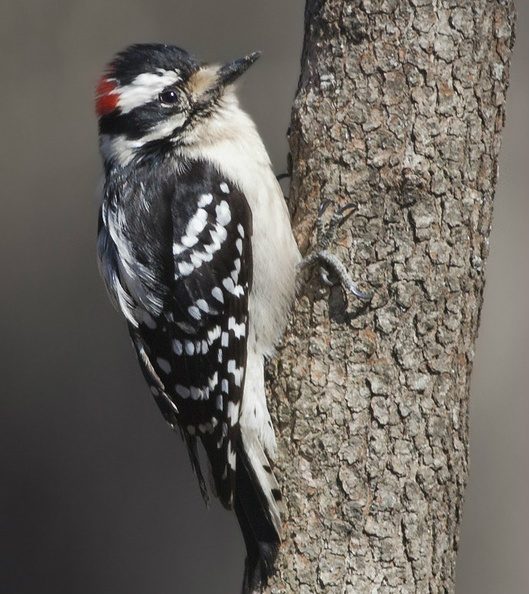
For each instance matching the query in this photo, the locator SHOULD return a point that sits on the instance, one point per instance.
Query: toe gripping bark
(329, 262)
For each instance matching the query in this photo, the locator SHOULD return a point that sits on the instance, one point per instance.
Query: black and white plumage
(196, 250)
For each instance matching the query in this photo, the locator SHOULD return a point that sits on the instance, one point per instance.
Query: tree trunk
(399, 110)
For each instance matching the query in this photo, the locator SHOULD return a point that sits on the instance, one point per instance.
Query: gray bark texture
(399, 110)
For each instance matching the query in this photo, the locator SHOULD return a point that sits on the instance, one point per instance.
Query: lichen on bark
(399, 110)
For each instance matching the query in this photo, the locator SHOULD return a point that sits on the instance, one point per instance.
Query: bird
(196, 249)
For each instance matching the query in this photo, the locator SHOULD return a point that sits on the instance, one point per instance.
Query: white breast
(232, 143)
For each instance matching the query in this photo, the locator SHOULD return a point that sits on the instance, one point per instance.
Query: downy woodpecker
(196, 250)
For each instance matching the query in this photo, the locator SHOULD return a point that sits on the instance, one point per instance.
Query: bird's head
(154, 97)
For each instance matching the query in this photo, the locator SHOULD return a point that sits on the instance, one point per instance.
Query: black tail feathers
(258, 525)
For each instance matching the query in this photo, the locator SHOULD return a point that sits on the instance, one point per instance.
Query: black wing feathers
(196, 345)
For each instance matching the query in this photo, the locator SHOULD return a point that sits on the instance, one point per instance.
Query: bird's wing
(193, 348)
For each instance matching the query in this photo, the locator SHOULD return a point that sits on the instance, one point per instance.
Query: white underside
(232, 143)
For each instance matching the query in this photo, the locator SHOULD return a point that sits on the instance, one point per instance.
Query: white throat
(229, 140)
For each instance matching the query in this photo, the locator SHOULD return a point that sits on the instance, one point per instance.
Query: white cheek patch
(164, 129)
(144, 88)
(123, 149)
(118, 147)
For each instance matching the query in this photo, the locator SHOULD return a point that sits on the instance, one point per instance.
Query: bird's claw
(328, 261)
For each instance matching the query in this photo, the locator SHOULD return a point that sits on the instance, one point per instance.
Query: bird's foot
(329, 262)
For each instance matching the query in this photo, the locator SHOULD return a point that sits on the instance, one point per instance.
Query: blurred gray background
(97, 496)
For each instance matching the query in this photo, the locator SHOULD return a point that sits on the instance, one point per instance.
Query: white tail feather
(263, 475)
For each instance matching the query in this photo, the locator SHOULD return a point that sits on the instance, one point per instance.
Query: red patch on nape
(107, 96)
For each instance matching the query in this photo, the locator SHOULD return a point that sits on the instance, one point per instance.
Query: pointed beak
(231, 71)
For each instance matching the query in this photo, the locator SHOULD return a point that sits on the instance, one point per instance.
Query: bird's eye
(169, 97)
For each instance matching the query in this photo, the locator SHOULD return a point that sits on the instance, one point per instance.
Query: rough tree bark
(399, 109)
